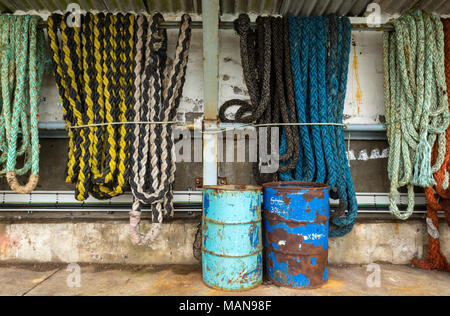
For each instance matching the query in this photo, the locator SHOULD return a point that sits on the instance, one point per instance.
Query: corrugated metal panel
(324, 7)
(294, 7)
(400, 6)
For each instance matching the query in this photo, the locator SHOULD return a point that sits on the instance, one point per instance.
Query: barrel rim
(302, 288)
(234, 187)
(296, 185)
(278, 219)
(250, 287)
(258, 220)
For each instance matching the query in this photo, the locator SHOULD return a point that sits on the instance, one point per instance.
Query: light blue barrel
(231, 237)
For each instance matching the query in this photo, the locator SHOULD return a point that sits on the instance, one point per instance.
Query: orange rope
(441, 200)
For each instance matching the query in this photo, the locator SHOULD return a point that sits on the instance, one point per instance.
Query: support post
(210, 15)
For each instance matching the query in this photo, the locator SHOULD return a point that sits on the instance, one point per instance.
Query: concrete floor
(186, 281)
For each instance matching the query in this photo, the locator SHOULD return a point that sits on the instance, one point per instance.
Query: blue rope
(314, 97)
(345, 225)
(320, 50)
(335, 40)
(285, 176)
(299, 36)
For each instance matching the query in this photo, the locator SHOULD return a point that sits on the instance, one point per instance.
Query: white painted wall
(364, 102)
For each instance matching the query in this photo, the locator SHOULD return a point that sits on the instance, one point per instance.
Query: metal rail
(226, 25)
(353, 131)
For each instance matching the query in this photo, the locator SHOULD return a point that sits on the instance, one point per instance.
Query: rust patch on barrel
(311, 194)
(311, 266)
(292, 244)
(275, 218)
(284, 197)
(321, 218)
(286, 242)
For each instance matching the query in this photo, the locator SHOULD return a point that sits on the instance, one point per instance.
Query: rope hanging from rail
(416, 104)
(320, 48)
(263, 55)
(296, 70)
(94, 74)
(22, 67)
(157, 92)
(438, 197)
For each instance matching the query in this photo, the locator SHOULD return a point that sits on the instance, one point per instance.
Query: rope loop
(416, 103)
(22, 68)
(157, 91)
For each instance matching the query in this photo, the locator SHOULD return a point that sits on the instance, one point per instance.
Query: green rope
(23, 61)
(416, 103)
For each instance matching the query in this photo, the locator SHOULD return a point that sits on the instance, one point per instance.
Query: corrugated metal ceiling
(294, 7)
(398, 6)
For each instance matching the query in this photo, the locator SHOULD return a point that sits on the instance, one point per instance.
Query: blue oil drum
(232, 237)
(296, 226)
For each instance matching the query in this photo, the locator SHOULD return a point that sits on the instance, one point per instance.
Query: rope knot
(242, 24)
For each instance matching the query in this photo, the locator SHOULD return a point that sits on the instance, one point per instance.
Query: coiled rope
(93, 67)
(158, 85)
(320, 48)
(296, 75)
(22, 68)
(416, 103)
(309, 63)
(438, 197)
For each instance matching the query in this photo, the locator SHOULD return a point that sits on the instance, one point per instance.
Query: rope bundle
(22, 68)
(157, 91)
(416, 103)
(114, 69)
(93, 67)
(258, 54)
(296, 72)
(320, 48)
(438, 197)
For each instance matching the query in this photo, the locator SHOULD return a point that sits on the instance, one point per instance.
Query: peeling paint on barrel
(296, 222)
(232, 237)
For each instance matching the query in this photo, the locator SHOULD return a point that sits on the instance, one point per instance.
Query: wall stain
(358, 95)
(6, 242)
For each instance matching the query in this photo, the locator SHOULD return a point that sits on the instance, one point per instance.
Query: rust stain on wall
(358, 95)
(6, 242)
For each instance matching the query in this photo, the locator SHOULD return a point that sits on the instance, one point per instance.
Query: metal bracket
(199, 182)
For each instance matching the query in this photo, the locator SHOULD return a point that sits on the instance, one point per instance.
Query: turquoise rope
(23, 61)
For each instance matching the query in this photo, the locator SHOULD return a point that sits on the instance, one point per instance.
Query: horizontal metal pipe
(53, 130)
(230, 26)
(52, 126)
(365, 128)
(45, 201)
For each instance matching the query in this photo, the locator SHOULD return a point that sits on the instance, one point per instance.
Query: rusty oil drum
(296, 226)
(232, 237)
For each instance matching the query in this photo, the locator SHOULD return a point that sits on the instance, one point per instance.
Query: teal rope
(22, 67)
(320, 49)
(416, 108)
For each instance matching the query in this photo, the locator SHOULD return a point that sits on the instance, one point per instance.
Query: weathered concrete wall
(108, 242)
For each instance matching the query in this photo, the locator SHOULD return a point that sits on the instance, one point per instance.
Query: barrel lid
(233, 187)
(295, 185)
